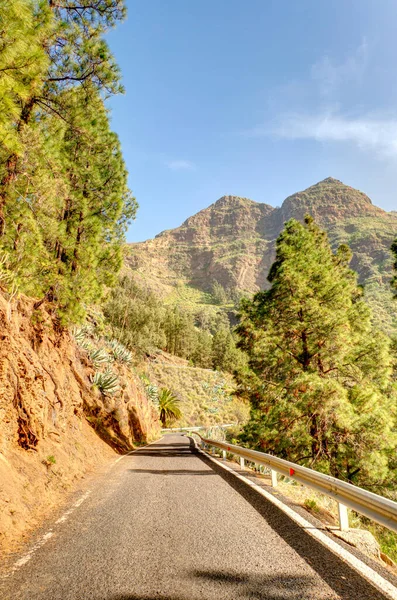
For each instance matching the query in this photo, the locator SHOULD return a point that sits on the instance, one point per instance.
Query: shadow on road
(344, 580)
(171, 472)
(186, 449)
(215, 585)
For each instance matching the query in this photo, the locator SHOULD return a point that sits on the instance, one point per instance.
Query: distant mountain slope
(232, 242)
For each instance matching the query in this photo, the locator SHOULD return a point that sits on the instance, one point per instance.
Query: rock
(361, 539)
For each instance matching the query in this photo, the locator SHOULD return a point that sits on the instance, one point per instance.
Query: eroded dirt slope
(54, 427)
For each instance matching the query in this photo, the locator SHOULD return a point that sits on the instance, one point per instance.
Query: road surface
(166, 523)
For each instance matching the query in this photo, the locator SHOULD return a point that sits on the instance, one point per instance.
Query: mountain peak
(331, 180)
(228, 201)
(328, 201)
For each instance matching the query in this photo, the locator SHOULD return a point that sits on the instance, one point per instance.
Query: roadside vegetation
(320, 378)
(144, 323)
(64, 199)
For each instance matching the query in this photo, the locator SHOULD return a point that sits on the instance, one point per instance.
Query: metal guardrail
(198, 428)
(375, 507)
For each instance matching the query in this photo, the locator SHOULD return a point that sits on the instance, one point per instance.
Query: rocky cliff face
(54, 426)
(232, 241)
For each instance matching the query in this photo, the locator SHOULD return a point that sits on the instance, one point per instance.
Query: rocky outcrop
(53, 425)
(233, 241)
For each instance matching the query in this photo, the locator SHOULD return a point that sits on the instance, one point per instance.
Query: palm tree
(168, 406)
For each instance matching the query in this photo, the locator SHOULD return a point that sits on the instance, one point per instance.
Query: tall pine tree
(320, 384)
(64, 49)
(64, 200)
(394, 280)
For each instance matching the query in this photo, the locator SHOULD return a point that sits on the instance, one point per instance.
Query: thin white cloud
(366, 132)
(180, 165)
(331, 77)
(326, 89)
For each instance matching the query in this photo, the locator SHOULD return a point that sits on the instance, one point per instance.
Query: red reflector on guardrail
(292, 472)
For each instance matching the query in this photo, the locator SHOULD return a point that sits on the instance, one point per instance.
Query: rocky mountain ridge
(232, 241)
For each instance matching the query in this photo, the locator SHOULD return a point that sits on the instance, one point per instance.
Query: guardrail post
(273, 475)
(224, 454)
(242, 463)
(343, 517)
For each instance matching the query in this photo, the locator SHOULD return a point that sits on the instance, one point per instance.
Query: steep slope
(207, 397)
(232, 242)
(54, 427)
(223, 243)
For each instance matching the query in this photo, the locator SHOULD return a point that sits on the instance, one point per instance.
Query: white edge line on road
(26, 557)
(372, 576)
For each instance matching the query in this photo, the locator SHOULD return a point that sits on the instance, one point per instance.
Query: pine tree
(64, 200)
(96, 208)
(64, 49)
(225, 355)
(320, 384)
(202, 353)
(180, 332)
(23, 63)
(136, 316)
(394, 280)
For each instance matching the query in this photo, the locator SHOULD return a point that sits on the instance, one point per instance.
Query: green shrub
(107, 382)
(99, 356)
(120, 352)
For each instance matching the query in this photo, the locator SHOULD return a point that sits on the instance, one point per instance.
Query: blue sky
(256, 98)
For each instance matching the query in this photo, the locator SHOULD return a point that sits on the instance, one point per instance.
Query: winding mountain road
(167, 523)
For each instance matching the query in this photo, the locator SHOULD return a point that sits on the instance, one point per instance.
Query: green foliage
(107, 382)
(218, 293)
(202, 353)
(23, 63)
(99, 357)
(320, 381)
(152, 393)
(394, 280)
(64, 200)
(180, 332)
(207, 397)
(168, 405)
(143, 323)
(226, 356)
(120, 352)
(51, 459)
(135, 316)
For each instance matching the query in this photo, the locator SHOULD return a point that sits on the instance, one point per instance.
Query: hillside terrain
(207, 397)
(55, 426)
(232, 243)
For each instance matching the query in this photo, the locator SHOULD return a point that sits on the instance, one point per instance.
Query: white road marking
(81, 500)
(26, 557)
(377, 580)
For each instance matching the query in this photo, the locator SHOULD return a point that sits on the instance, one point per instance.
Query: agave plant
(87, 346)
(107, 382)
(81, 335)
(120, 352)
(99, 357)
(168, 405)
(152, 392)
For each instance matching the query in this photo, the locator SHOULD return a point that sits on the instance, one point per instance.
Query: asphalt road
(166, 523)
